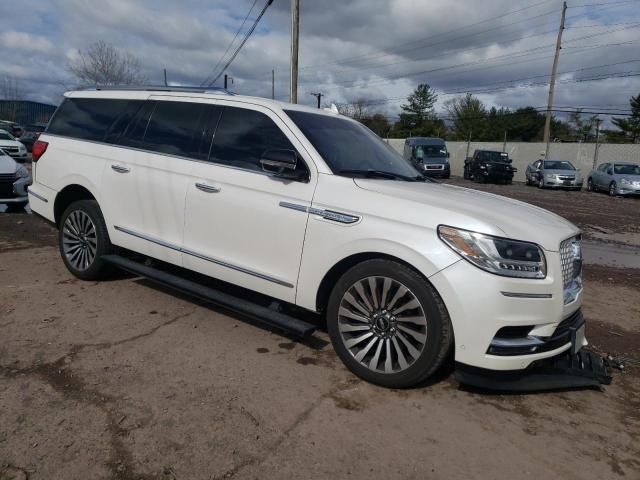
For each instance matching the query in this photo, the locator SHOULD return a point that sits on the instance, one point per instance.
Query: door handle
(120, 169)
(207, 188)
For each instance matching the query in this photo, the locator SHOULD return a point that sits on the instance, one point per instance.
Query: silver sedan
(617, 178)
(554, 174)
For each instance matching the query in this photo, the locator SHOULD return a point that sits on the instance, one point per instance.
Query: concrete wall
(580, 154)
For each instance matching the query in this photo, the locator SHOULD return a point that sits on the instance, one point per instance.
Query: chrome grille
(566, 177)
(571, 264)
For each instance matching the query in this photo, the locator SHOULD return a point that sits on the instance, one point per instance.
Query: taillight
(38, 150)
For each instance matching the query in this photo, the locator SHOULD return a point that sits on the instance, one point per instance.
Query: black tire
(613, 186)
(438, 329)
(96, 269)
(541, 182)
(590, 186)
(465, 173)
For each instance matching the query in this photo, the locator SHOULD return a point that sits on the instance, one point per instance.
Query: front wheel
(83, 240)
(541, 182)
(613, 188)
(387, 324)
(590, 186)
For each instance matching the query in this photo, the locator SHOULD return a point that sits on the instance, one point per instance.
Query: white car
(14, 180)
(312, 209)
(11, 146)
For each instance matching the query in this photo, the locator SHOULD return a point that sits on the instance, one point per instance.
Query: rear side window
(177, 128)
(243, 136)
(88, 118)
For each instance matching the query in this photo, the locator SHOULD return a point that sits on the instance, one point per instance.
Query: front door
(242, 225)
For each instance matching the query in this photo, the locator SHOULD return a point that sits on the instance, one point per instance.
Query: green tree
(468, 116)
(583, 128)
(418, 117)
(378, 123)
(630, 126)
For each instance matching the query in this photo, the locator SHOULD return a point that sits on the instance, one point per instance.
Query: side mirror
(281, 163)
(448, 155)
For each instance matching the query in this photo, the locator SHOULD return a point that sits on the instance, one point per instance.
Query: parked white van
(309, 208)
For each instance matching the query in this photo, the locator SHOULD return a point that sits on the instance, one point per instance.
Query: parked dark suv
(489, 166)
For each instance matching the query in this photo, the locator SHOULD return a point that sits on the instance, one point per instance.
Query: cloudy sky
(378, 50)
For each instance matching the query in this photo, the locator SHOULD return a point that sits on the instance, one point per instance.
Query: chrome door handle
(207, 188)
(120, 169)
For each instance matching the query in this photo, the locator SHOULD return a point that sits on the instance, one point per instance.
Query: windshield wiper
(382, 174)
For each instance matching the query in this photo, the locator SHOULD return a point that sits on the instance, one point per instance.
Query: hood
(620, 176)
(470, 209)
(10, 143)
(7, 164)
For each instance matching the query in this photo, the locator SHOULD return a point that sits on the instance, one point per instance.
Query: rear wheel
(83, 240)
(387, 324)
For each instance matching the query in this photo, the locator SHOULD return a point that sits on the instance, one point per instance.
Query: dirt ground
(125, 380)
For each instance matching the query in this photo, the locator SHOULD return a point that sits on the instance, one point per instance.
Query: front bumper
(15, 192)
(482, 306)
(563, 183)
(626, 189)
(436, 169)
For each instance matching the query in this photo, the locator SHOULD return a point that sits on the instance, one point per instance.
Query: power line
(351, 59)
(244, 40)
(213, 70)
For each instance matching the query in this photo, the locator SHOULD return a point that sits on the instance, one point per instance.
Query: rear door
(147, 181)
(243, 225)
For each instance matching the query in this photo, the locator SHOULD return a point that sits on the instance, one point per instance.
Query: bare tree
(12, 92)
(102, 64)
(358, 109)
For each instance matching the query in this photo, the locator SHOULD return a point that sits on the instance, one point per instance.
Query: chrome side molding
(193, 253)
(326, 214)
(39, 197)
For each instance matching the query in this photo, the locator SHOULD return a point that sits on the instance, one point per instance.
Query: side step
(262, 314)
(584, 369)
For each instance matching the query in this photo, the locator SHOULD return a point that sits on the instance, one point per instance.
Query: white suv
(313, 209)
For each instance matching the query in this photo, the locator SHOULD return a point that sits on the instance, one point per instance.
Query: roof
(143, 92)
(424, 141)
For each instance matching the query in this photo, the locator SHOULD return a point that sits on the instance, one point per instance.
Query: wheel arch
(338, 269)
(67, 196)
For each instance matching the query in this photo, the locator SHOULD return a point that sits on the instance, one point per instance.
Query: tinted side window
(87, 118)
(177, 128)
(133, 135)
(603, 167)
(243, 136)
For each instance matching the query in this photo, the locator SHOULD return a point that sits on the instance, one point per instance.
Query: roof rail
(159, 88)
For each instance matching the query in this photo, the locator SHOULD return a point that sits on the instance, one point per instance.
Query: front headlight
(22, 172)
(502, 256)
(550, 176)
(626, 181)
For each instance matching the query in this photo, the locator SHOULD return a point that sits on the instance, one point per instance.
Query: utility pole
(595, 153)
(552, 83)
(295, 29)
(504, 144)
(273, 84)
(165, 77)
(318, 96)
(468, 143)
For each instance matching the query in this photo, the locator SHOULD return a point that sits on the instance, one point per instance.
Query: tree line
(467, 117)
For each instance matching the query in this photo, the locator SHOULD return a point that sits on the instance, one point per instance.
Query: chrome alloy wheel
(79, 240)
(382, 324)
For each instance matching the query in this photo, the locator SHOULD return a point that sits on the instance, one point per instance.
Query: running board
(584, 369)
(265, 315)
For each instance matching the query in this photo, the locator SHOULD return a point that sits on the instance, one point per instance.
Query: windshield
(347, 145)
(558, 165)
(5, 136)
(422, 151)
(493, 157)
(627, 169)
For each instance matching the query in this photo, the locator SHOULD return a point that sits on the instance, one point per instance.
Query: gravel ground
(125, 380)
